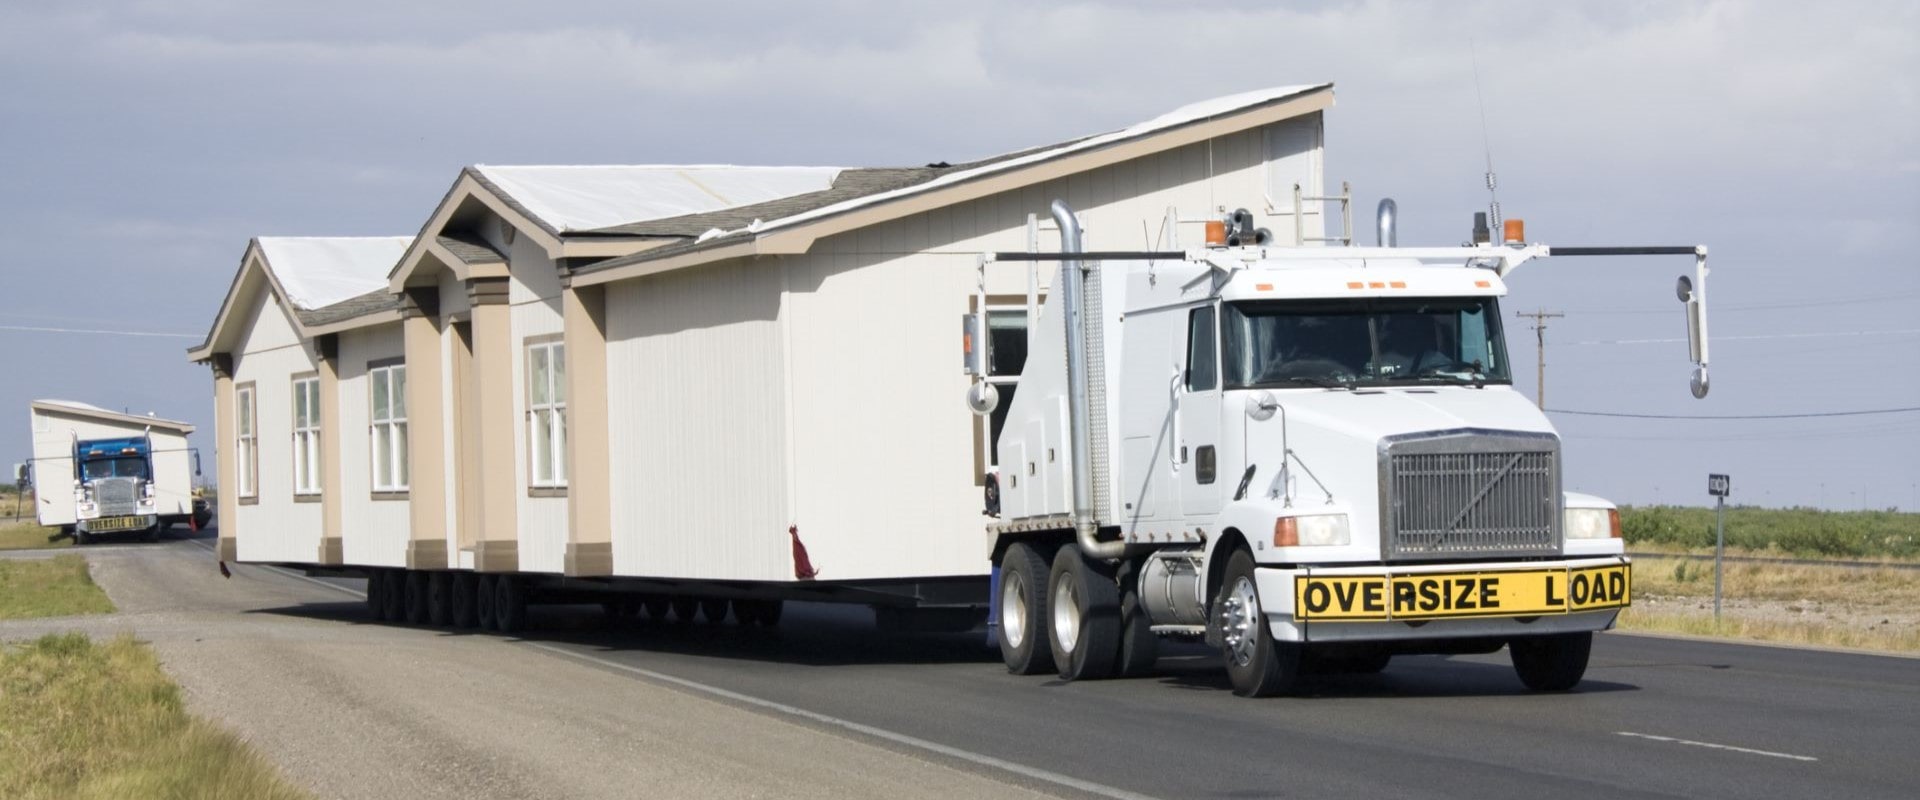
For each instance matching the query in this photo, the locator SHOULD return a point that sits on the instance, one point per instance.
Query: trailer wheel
(1258, 665)
(417, 612)
(509, 604)
(1023, 611)
(1551, 663)
(377, 596)
(395, 594)
(484, 587)
(1084, 617)
(464, 586)
(656, 606)
(684, 608)
(769, 614)
(1139, 648)
(746, 612)
(440, 598)
(714, 609)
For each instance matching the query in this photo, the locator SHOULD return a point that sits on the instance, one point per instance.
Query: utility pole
(1540, 318)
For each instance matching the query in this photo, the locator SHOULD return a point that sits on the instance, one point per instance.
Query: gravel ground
(353, 710)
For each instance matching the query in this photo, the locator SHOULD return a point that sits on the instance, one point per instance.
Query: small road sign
(1719, 485)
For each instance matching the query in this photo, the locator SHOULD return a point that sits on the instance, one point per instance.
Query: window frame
(246, 438)
(554, 409)
(306, 438)
(398, 467)
(1001, 381)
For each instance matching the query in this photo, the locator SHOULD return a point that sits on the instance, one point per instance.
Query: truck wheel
(509, 604)
(82, 538)
(1023, 611)
(1139, 648)
(657, 607)
(1083, 617)
(440, 598)
(377, 596)
(1258, 665)
(684, 608)
(153, 534)
(484, 588)
(714, 609)
(1551, 663)
(417, 611)
(463, 587)
(395, 594)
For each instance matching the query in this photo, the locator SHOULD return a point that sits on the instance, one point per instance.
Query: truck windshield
(1363, 342)
(128, 467)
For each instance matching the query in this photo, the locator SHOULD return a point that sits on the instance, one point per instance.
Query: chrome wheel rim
(1013, 609)
(1066, 613)
(1239, 616)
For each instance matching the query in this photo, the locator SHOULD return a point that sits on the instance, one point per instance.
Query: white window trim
(396, 428)
(247, 442)
(306, 437)
(552, 414)
(986, 431)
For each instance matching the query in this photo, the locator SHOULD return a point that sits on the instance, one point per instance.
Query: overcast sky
(142, 143)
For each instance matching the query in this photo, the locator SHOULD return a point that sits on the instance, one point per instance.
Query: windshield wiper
(1314, 380)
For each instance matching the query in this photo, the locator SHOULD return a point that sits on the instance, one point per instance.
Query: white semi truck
(1313, 458)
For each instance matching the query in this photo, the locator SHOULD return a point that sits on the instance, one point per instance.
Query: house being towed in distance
(662, 377)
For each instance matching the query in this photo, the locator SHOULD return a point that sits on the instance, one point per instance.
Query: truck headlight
(1318, 530)
(1593, 523)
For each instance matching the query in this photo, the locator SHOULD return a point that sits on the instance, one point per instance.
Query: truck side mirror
(1696, 310)
(196, 462)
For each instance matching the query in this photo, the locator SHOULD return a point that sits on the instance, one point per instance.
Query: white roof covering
(89, 409)
(582, 198)
(317, 272)
(1179, 116)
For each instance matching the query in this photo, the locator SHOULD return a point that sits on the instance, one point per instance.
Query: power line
(1841, 301)
(37, 329)
(1753, 337)
(1736, 416)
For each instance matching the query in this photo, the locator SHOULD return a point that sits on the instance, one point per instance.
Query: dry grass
(84, 720)
(49, 587)
(28, 536)
(1872, 608)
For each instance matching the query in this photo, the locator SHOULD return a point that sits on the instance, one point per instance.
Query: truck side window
(1203, 372)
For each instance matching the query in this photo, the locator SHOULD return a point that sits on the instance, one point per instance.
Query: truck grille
(115, 496)
(1470, 493)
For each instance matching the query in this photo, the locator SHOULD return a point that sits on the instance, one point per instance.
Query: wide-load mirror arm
(1691, 292)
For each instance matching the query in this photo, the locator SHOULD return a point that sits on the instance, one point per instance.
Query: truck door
(1196, 455)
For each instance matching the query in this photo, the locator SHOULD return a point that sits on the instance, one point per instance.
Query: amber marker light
(1216, 233)
(1286, 532)
(1613, 522)
(1515, 231)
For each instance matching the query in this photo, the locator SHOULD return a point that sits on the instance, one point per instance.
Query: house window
(389, 429)
(547, 414)
(306, 436)
(246, 445)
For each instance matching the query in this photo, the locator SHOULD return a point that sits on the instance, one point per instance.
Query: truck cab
(113, 487)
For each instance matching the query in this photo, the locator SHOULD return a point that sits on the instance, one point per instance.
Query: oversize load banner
(1455, 595)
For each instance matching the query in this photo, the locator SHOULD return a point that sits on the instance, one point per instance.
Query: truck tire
(377, 596)
(1139, 648)
(395, 594)
(1257, 664)
(417, 611)
(657, 607)
(484, 588)
(509, 604)
(1551, 663)
(466, 610)
(440, 598)
(684, 608)
(1023, 611)
(1083, 617)
(714, 609)
(81, 538)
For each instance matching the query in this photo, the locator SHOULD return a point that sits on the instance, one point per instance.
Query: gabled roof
(571, 199)
(323, 282)
(743, 231)
(90, 411)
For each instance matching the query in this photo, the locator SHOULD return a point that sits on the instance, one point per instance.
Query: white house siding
(373, 532)
(696, 400)
(534, 293)
(275, 528)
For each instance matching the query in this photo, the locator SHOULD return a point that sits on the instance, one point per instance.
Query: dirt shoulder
(358, 710)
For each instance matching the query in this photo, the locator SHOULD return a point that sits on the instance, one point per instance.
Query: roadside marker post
(1719, 486)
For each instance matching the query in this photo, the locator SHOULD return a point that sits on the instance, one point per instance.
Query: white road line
(880, 733)
(1752, 751)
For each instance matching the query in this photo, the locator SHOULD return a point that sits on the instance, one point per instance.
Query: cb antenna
(1486, 141)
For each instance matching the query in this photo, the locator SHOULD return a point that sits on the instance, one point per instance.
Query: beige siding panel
(373, 532)
(275, 528)
(696, 418)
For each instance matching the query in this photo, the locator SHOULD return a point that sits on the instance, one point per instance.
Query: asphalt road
(1655, 717)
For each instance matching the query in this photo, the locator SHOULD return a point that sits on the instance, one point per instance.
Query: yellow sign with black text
(110, 524)
(1458, 595)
